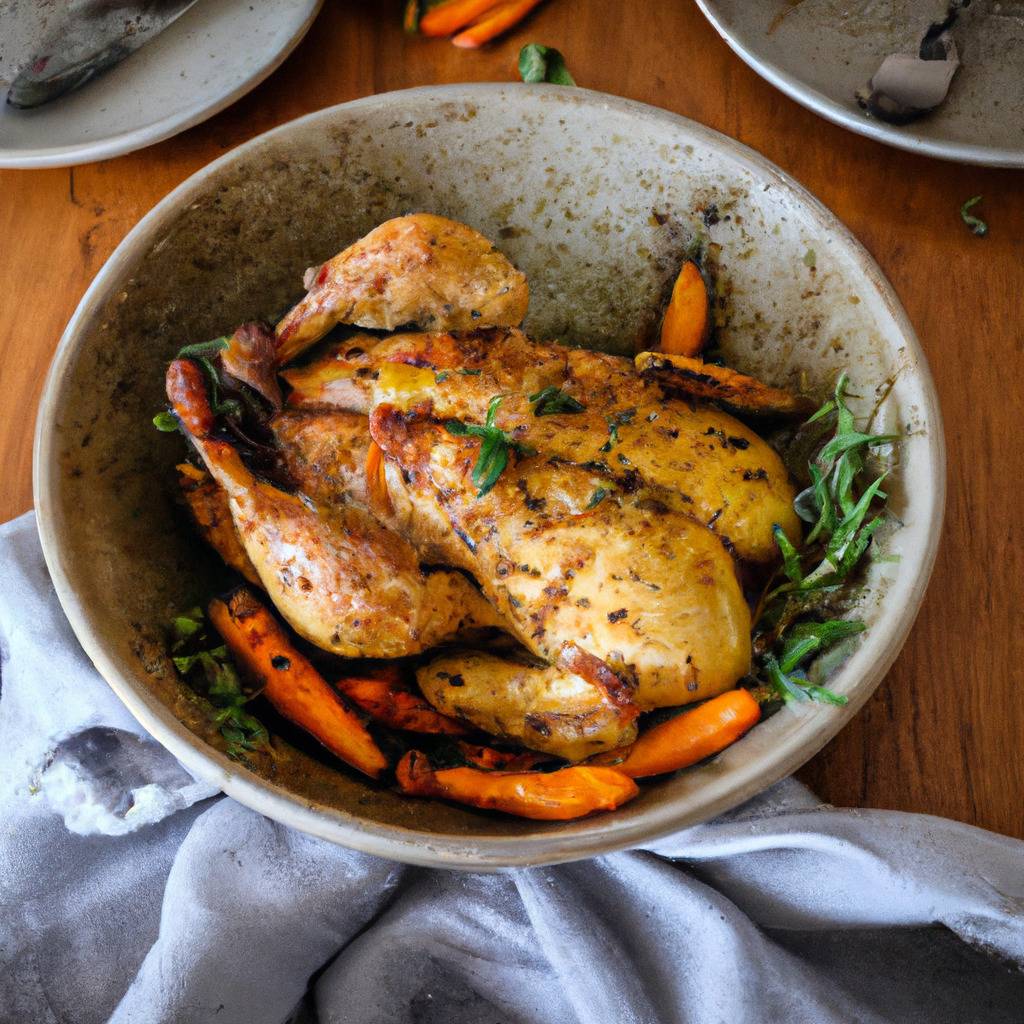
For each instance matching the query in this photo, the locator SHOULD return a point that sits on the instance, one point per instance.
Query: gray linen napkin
(129, 893)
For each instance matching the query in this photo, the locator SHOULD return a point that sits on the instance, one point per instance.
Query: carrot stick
(501, 19)
(447, 18)
(687, 323)
(546, 796)
(393, 705)
(689, 737)
(290, 682)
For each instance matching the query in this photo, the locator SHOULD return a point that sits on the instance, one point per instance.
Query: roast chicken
(607, 545)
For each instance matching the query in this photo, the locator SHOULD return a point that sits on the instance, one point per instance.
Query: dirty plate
(820, 52)
(213, 54)
(596, 199)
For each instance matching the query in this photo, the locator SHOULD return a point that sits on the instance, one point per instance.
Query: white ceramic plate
(819, 52)
(213, 54)
(595, 198)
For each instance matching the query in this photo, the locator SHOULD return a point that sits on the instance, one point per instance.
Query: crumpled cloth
(194, 908)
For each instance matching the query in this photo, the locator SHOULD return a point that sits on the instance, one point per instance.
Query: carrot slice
(687, 323)
(501, 19)
(389, 702)
(447, 18)
(376, 479)
(720, 384)
(546, 796)
(687, 738)
(291, 683)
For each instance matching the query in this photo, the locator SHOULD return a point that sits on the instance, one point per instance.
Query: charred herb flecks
(841, 510)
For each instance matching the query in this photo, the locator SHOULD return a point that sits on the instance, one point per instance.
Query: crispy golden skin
(325, 454)
(341, 579)
(566, 562)
(544, 708)
(686, 456)
(421, 269)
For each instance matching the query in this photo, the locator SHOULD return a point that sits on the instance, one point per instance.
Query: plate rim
(870, 128)
(156, 131)
(474, 852)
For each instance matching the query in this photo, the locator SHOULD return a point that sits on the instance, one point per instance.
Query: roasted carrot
(687, 738)
(186, 391)
(411, 17)
(687, 323)
(501, 19)
(376, 479)
(264, 652)
(720, 384)
(547, 796)
(448, 17)
(394, 705)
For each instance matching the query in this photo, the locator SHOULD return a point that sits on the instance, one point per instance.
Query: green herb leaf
(810, 259)
(613, 435)
(470, 373)
(793, 687)
(790, 555)
(976, 224)
(539, 63)
(597, 497)
(552, 400)
(807, 638)
(166, 422)
(203, 349)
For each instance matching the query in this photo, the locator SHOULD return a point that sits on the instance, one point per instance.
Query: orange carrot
(376, 479)
(687, 323)
(447, 18)
(186, 391)
(501, 19)
(546, 796)
(290, 682)
(392, 704)
(687, 738)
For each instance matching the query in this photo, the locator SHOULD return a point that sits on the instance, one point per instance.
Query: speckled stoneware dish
(595, 198)
(820, 52)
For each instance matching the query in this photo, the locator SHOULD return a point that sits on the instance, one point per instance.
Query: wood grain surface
(943, 734)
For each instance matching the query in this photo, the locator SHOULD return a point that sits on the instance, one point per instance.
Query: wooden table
(944, 732)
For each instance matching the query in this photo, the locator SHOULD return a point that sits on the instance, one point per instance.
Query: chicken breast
(543, 707)
(683, 455)
(654, 595)
(422, 269)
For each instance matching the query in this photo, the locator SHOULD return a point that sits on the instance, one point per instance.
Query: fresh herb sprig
(210, 672)
(553, 400)
(539, 63)
(494, 449)
(203, 353)
(839, 506)
(976, 224)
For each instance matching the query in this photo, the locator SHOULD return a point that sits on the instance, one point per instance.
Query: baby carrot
(501, 19)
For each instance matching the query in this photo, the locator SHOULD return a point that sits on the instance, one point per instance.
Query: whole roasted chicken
(559, 536)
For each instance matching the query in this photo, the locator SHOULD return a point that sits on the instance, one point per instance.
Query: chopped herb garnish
(166, 422)
(494, 448)
(543, 64)
(441, 377)
(552, 400)
(208, 669)
(596, 498)
(810, 259)
(976, 224)
(839, 504)
(466, 372)
(613, 435)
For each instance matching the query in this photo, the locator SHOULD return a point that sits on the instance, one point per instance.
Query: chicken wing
(569, 564)
(338, 577)
(686, 456)
(421, 269)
